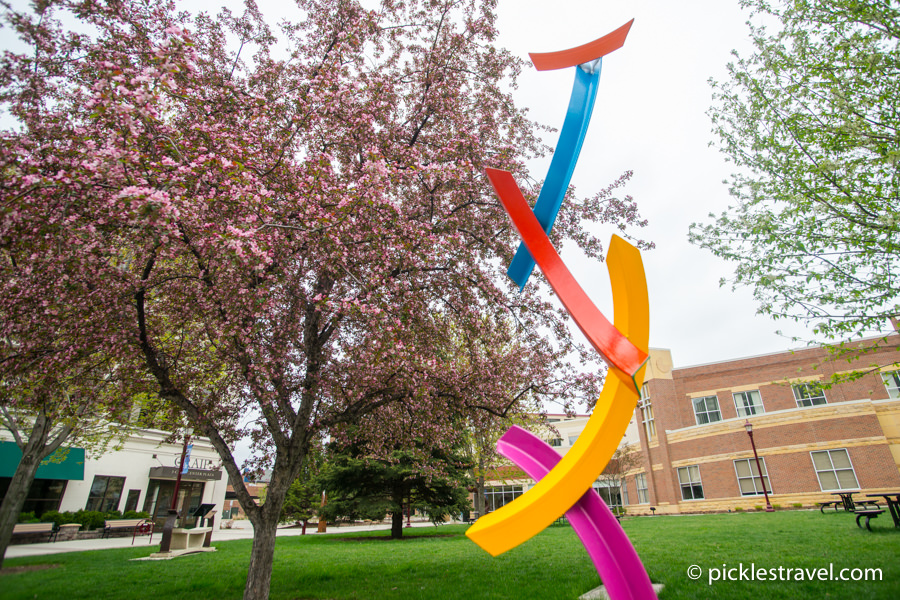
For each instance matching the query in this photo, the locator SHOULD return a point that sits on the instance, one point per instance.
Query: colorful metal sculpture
(589, 58)
(561, 488)
(564, 485)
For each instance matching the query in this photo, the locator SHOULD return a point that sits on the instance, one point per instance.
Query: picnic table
(893, 502)
(846, 500)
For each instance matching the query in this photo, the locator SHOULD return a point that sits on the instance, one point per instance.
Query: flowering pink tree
(290, 223)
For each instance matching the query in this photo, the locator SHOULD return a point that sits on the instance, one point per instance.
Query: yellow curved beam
(553, 495)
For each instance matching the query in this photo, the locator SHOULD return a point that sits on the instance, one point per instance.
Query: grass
(442, 563)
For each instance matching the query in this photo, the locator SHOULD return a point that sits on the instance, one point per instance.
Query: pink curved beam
(548, 61)
(614, 347)
(618, 564)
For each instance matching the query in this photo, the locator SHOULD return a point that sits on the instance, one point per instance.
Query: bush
(90, 519)
(28, 517)
(758, 507)
(739, 509)
(797, 505)
(136, 514)
(776, 506)
(54, 516)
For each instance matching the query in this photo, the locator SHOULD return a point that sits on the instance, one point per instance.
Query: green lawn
(442, 563)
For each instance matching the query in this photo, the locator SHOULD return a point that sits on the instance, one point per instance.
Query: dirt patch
(26, 569)
(387, 538)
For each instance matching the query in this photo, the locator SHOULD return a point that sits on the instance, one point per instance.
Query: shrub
(28, 517)
(54, 516)
(776, 506)
(797, 505)
(136, 514)
(738, 509)
(758, 507)
(90, 519)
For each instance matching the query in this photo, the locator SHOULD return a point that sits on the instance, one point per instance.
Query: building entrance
(159, 499)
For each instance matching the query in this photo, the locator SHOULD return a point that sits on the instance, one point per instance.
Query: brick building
(811, 441)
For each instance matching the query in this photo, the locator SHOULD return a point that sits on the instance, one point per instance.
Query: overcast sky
(650, 117)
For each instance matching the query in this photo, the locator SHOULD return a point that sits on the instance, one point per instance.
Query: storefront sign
(190, 475)
(197, 463)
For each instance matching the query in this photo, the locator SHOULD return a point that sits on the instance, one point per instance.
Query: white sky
(650, 117)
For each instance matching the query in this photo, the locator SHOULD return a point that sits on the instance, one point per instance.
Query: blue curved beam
(578, 117)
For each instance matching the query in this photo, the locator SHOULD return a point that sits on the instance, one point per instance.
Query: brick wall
(784, 440)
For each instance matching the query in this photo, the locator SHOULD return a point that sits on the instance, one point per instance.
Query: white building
(139, 476)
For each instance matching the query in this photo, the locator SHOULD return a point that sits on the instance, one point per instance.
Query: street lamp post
(166, 542)
(749, 427)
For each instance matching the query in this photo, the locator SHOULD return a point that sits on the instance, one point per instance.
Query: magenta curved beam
(614, 347)
(618, 564)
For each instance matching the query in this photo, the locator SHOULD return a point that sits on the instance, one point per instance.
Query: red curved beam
(548, 61)
(615, 348)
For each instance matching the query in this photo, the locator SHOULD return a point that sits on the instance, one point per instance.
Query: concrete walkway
(242, 530)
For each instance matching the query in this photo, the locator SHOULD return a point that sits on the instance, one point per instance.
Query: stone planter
(69, 531)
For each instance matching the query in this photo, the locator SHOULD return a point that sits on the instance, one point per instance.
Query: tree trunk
(259, 574)
(265, 526)
(32, 455)
(397, 524)
(479, 488)
(397, 516)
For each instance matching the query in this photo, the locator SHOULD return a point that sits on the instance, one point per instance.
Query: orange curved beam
(548, 61)
(614, 347)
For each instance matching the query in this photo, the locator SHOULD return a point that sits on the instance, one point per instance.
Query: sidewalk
(242, 530)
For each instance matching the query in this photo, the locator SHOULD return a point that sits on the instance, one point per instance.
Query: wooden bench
(36, 529)
(868, 514)
(824, 505)
(135, 526)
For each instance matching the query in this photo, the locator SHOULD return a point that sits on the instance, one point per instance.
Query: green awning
(70, 467)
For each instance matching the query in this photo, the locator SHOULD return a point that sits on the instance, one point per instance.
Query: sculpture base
(599, 593)
(176, 553)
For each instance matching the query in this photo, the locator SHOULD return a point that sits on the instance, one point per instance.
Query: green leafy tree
(364, 487)
(810, 119)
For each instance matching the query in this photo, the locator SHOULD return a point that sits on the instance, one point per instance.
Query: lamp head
(748, 426)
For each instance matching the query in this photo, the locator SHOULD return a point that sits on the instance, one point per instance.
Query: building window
(691, 486)
(706, 410)
(834, 470)
(809, 394)
(892, 383)
(500, 495)
(105, 493)
(573, 439)
(132, 502)
(556, 442)
(640, 482)
(44, 494)
(647, 413)
(612, 494)
(748, 403)
(748, 476)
